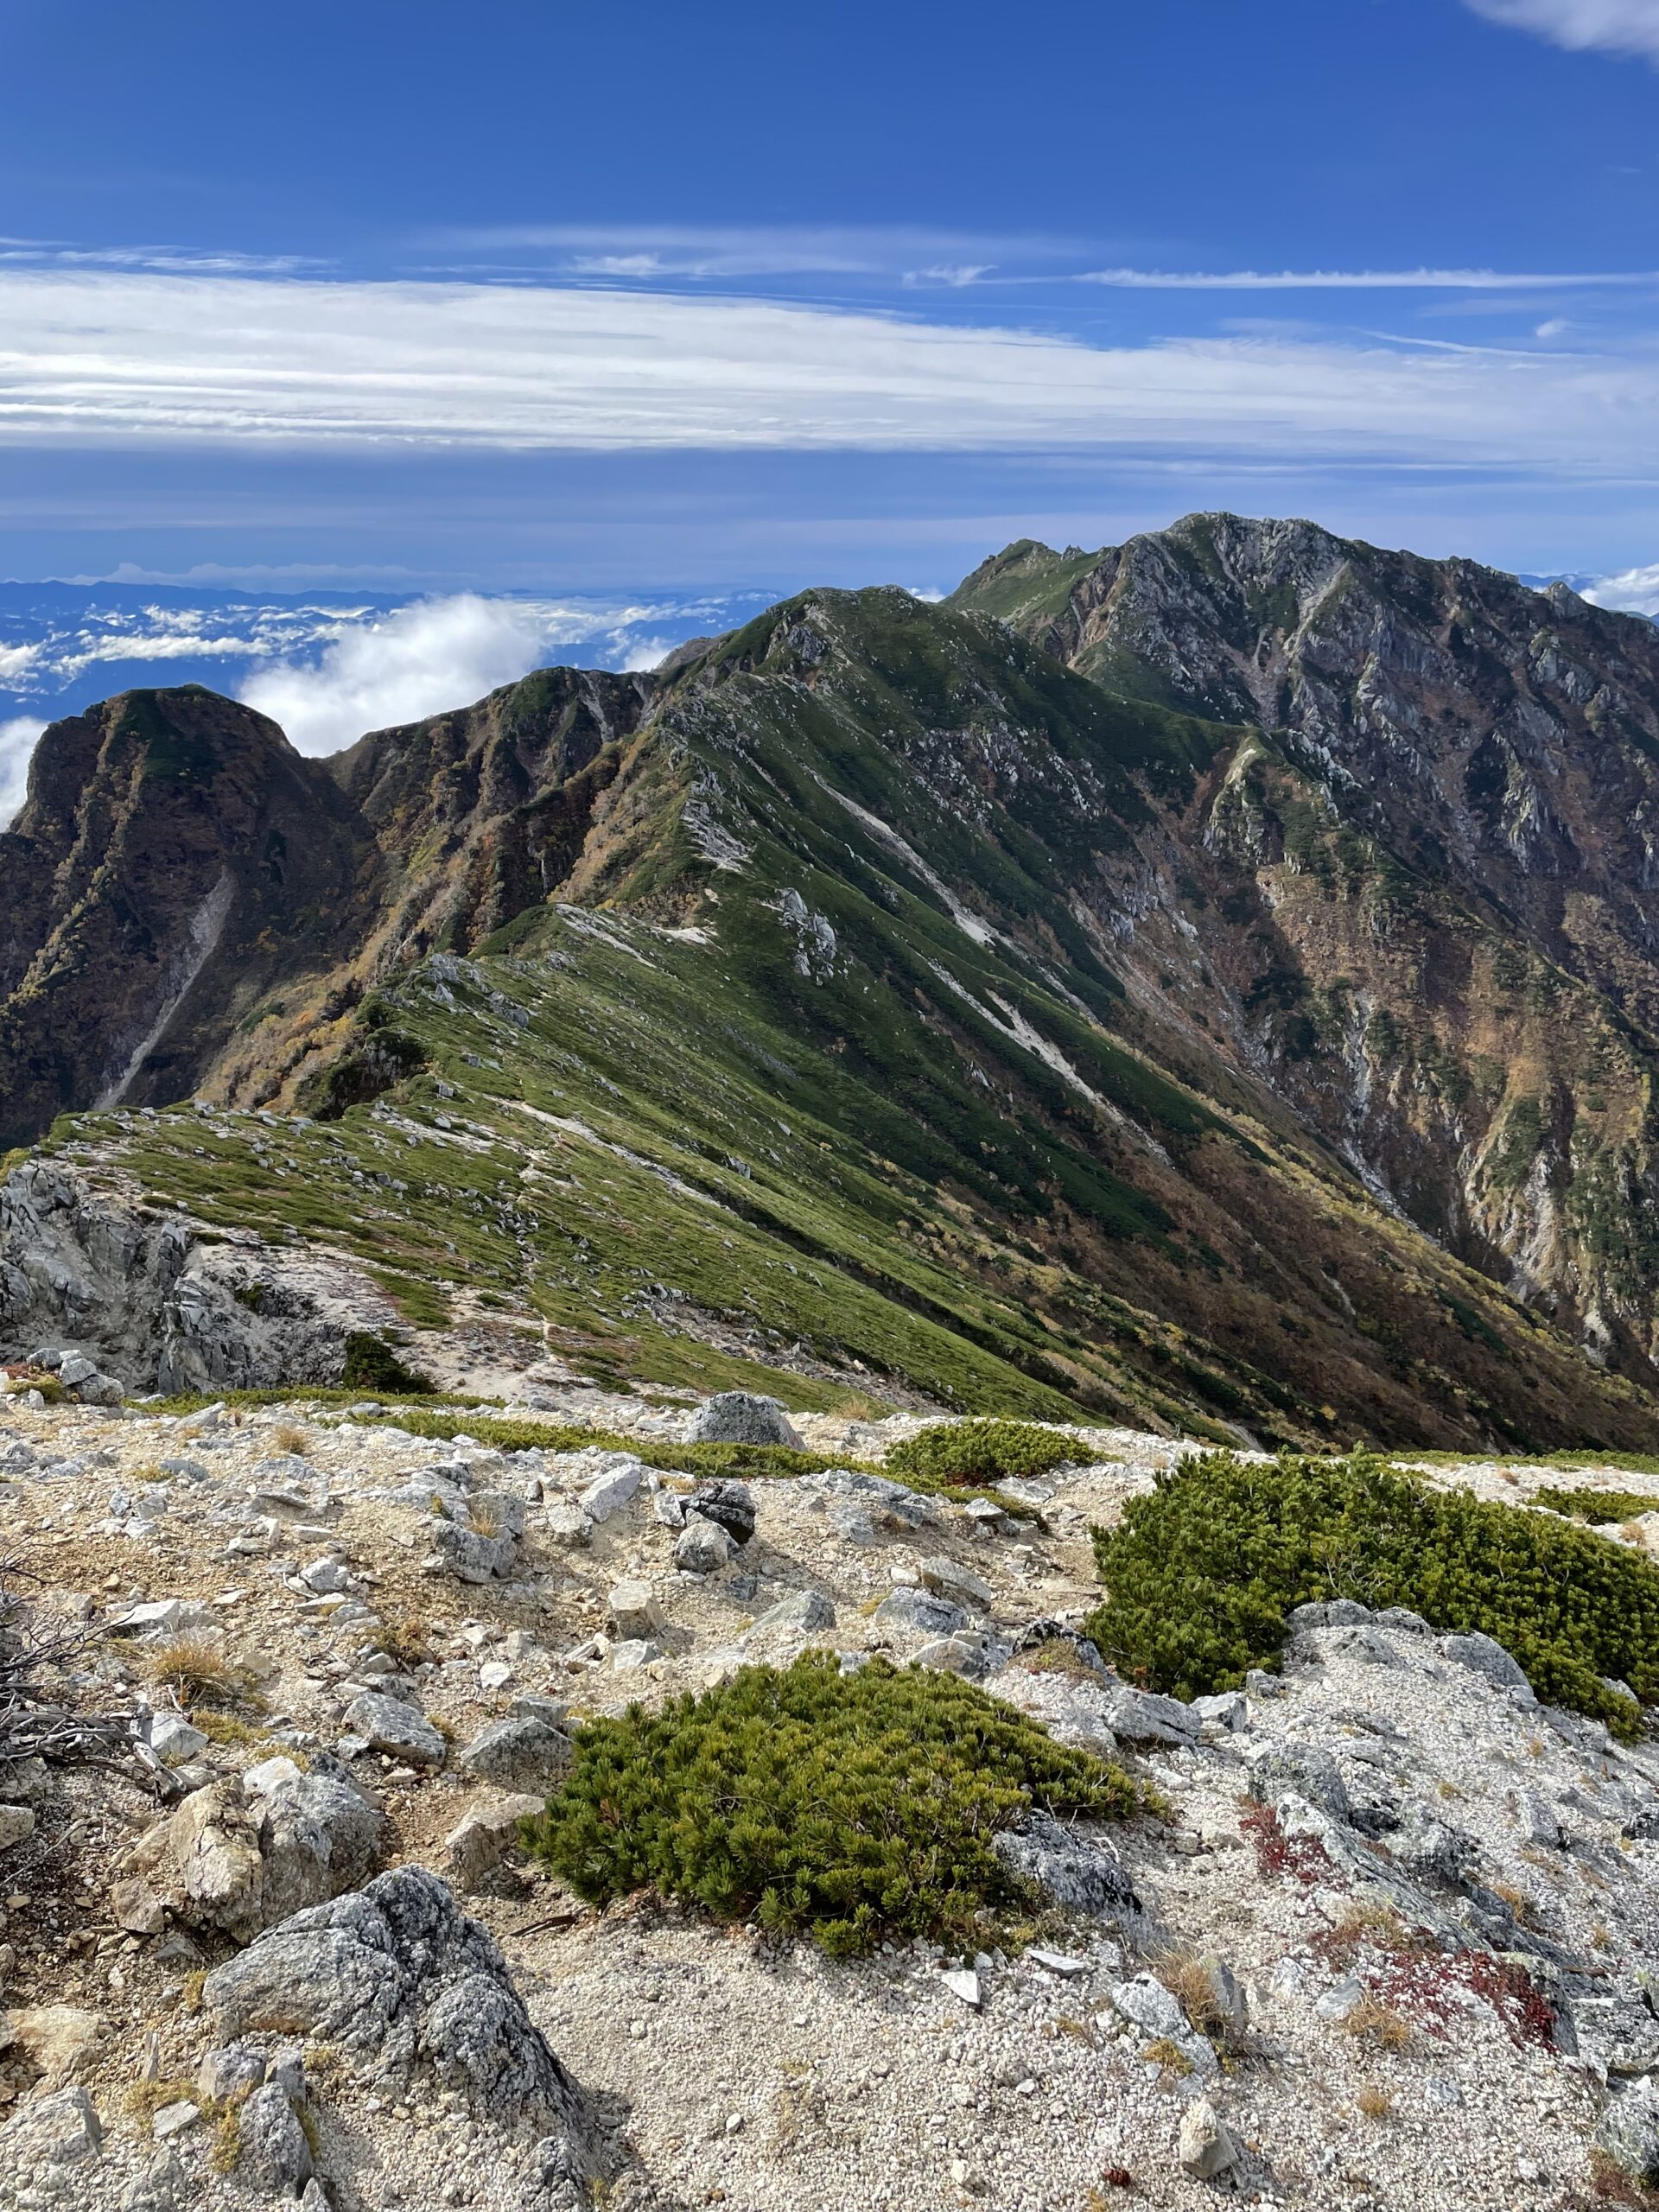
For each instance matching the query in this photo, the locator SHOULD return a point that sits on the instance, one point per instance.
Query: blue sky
(543, 297)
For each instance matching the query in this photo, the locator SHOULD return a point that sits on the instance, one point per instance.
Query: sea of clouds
(326, 666)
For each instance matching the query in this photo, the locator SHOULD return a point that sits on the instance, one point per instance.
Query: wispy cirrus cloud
(1630, 27)
(1365, 280)
(167, 260)
(89, 358)
(736, 251)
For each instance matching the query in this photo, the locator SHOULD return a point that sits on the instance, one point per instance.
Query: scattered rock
(524, 1751)
(730, 1504)
(273, 2150)
(16, 1825)
(389, 1726)
(634, 1610)
(1206, 2148)
(964, 1983)
(741, 1417)
(703, 1547)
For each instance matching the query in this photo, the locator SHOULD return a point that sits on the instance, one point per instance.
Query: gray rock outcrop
(398, 1973)
(149, 1302)
(742, 1417)
(225, 1860)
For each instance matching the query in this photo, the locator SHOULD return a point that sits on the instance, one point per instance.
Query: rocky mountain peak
(174, 854)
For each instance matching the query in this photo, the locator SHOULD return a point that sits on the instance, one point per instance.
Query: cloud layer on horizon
(87, 359)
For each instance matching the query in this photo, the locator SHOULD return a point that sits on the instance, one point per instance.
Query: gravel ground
(727, 2070)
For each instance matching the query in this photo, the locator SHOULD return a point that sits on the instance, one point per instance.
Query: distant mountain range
(1213, 980)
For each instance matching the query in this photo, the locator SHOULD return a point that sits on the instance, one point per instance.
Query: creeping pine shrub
(1201, 1575)
(1599, 1507)
(979, 1452)
(372, 1364)
(847, 1808)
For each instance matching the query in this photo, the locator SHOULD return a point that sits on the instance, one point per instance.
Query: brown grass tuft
(1365, 1927)
(1188, 1978)
(1378, 2026)
(1374, 2103)
(1519, 1901)
(198, 1671)
(294, 1441)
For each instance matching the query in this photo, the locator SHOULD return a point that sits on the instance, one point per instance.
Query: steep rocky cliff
(1437, 923)
(175, 861)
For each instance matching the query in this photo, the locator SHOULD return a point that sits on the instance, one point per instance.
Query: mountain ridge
(1036, 986)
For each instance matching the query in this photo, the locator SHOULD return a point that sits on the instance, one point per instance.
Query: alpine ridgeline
(1210, 982)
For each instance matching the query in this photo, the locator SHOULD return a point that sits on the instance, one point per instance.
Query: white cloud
(273, 576)
(737, 250)
(1360, 280)
(88, 358)
(1612, 26)
(1634, 591)
(17, 744)
(419, 660)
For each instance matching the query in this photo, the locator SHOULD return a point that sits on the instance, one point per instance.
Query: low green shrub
(848, 1807)
(373, 1365)
(746, 1460)
(1599, 1507)
(967, 1452)
(1201, 1575)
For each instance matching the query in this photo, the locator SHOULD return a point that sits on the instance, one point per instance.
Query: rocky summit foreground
(1387, 1936)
